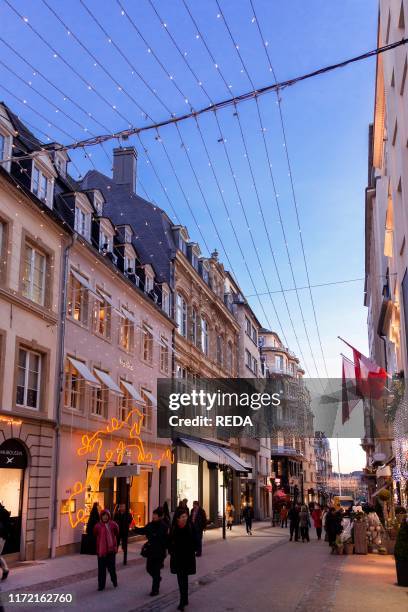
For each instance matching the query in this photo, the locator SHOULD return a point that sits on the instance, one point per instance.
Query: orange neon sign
(10, 420)
(95, 444)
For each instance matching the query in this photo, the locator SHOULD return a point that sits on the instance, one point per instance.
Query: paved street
(261, 572)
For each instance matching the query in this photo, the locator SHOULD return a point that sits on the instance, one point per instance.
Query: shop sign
(12, 455)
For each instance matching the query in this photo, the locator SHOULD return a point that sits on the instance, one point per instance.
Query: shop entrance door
(13, 461)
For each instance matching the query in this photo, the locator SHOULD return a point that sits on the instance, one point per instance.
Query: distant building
(323, 467)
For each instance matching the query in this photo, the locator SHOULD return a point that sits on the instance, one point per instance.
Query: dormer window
(128, 235)
(5, 150)
(42, 185)
(61, 160)
(105, 242)
(165, 303)
(98, 203)
(149, 280)
(82, 221)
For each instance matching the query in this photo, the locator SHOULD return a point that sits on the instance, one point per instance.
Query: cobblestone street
(261, 572)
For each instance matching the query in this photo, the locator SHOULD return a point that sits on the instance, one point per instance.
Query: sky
(129, 69)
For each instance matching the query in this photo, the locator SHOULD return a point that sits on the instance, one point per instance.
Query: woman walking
(182, 548)
(304, 523)
(284, 516)
(317, 521)
(229, 515)
(106, 533)
(248, 515)
(155, 547)
(333, 527)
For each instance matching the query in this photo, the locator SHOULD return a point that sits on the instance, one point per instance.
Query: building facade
(386, 227)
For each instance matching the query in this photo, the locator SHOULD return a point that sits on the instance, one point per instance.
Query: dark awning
(217, 454)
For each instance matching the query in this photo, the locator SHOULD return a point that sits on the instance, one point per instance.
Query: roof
(153, 237)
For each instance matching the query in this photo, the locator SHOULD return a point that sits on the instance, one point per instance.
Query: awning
(108, 381)
(84, 372)
(85, 283)
(151, 397)
(133, 392)
(106, 297)
(126, 313)
(217, 454)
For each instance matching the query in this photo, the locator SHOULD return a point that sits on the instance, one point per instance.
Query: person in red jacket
(317, 520)
(106, 533)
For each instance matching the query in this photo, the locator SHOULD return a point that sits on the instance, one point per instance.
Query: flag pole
(338, 462)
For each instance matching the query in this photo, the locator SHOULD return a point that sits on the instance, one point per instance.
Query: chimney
(124, 167)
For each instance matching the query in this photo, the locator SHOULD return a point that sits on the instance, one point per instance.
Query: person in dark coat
(106, 533)
(182, 548)
(166, 514)
(198, 519)
(293, 516)
(4, 534)
(248, 515)
(333, 527)
(156, 533)
(123, 519)
(93, 520)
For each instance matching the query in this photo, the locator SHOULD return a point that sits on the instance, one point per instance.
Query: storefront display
(13, 461)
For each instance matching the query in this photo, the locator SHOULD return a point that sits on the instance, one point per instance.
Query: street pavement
(261, 572)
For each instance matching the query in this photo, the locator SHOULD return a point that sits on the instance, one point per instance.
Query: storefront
(13, 464)
(199, 475)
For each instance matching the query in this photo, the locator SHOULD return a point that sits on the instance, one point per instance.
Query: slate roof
(150, 223)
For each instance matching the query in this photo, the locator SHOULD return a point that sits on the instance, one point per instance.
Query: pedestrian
(317, 520)
(248, 515)
(229, 515)
(155, 548)
(4, 534)
(90, 540)
(198, 519)
(107, 534)
(333, 527)
(293, 516)
(324, 516)
(182, 548)
(304, 523)
(166, 514)
(123, 519)
(284, 516)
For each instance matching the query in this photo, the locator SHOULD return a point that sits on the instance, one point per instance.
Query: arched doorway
(13, 462)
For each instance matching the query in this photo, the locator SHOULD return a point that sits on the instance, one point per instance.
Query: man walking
(155, 548)
(248, 515)
(293, 517)
(4, 533)
(199, 521)
(106, 533)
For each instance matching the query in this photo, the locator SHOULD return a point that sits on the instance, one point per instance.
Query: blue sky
(326, 122)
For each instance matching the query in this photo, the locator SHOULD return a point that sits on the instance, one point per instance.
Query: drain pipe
(58, 393)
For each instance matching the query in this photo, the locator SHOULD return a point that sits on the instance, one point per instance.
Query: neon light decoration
(10, 420)
(95, 444)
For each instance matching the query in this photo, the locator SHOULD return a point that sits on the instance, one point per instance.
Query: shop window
(34, 274)
(147, 344)
(28, 379)
(78, 300)
(126, 334)
(99, 401)
(164, 355)
(102, 317)
(147, 409)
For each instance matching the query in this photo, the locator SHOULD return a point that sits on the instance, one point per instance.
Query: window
(102, 317)
(28, 379)
(3, 250)
(82, 222)
(194, 326)
(181, 372)
(5, 150)
(74, 385)
(248, 359)
(204, 336)
(279, 362)
(147, 409)
(248, 326)
(41, 186)
(220, 343)
(164, 355)
(147, 344)
(165, 301)
(78, 300)
(181, 315)
(99, 401)
(126, 334)
(128, 235)
(129, 265)
(229, 357)
(105, 242)
(254, 366)
(34, 275)
(254, 335)
(149, 282)
(125, 403)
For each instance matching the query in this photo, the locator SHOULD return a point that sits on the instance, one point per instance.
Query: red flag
(370, 377)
